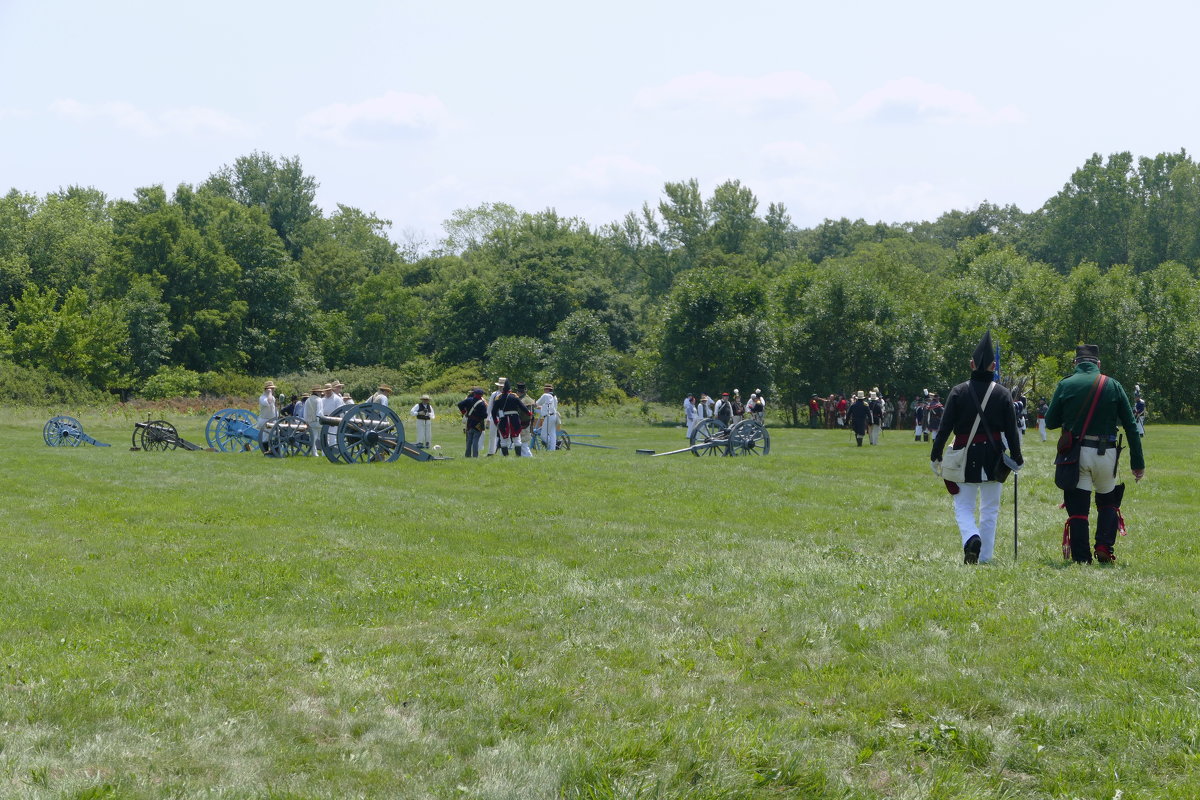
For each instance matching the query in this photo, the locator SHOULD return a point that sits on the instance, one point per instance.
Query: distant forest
(245, 275)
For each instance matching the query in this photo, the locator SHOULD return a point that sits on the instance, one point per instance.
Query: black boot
(1108, 522)
(971, 550)
(859, 438)
(1077, 502)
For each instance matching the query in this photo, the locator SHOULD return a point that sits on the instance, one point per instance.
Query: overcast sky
(887, 111)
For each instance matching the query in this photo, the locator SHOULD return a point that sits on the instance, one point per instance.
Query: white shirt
(432, 416)
(312, 408)
(689, 408)
(266, 406)
(380, 398)
(331, 403)
(547, 405)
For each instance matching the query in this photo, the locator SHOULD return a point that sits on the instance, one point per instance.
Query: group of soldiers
(727, 409)
(510, 418)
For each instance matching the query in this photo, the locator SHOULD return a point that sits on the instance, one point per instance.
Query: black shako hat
(984, 353)
(1089, 351)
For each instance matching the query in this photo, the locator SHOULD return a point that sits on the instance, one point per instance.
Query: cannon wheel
(749, 438)
(63, 432)
(158, 435)
(328, 434)
(563, 442)
(287, 436)
(710, 438)
(369, 432)
(226, 430)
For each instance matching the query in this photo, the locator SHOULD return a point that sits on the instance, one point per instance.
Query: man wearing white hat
(332, 402)
(381, 395)
(267, 404)
(313, 408)
(547, 409)
(423, 411)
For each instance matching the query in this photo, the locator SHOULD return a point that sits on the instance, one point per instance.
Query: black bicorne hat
(984, 353)
(1087, 351)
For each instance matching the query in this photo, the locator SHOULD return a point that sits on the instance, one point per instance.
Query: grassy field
(591, 624)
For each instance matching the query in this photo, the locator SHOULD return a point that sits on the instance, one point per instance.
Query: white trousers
(988, 495)
(1042, 428)
(917, 432)
(493, 437)
(424, 432)
(873, 432)
(550, 431)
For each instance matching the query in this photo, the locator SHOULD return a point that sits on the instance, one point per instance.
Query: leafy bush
(457, 379)
(171, 382)
(36, 386)
(229, 384)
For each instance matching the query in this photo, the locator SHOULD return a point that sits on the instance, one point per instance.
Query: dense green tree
(77, 338)
(279, 187)
(581, 359)
(520, 358)
(705, 308)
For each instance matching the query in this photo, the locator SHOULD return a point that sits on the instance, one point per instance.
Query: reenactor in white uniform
(268, 407)
(547, 409)
(423, 411)
(313, 408)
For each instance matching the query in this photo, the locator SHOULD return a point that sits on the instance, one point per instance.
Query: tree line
(244, 274)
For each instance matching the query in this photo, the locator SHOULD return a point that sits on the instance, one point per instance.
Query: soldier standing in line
(723, 410)
(1086, 392)
(739, 410)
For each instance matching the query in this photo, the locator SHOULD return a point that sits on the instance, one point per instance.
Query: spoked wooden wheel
(709, 438)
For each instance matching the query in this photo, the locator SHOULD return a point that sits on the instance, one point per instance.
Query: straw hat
(327, 388)
(269, 385)
(383, 387)
(426, 397)
(547, 387)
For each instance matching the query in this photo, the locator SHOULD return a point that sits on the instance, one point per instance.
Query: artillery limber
(711, 437)
(63, 431)
(158, 434)
(366, 432)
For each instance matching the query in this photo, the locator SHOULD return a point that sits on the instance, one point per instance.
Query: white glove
(936, 466)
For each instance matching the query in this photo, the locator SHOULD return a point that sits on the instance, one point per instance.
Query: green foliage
(40, 387)
(520, 358)
(244, 275)
(171, 382)
(580, 359)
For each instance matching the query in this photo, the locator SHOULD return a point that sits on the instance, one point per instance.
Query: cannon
(286, 436)
(711, 437)
(536, 442)
(233, 430)
(367, 432)
(66, 431)
(158, 434)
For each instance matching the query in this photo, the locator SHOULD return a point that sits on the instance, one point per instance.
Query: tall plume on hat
(984, 353)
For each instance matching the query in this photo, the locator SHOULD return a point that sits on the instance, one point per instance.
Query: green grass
(591, 624)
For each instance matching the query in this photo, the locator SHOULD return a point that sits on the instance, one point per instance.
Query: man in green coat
(1098, 458)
